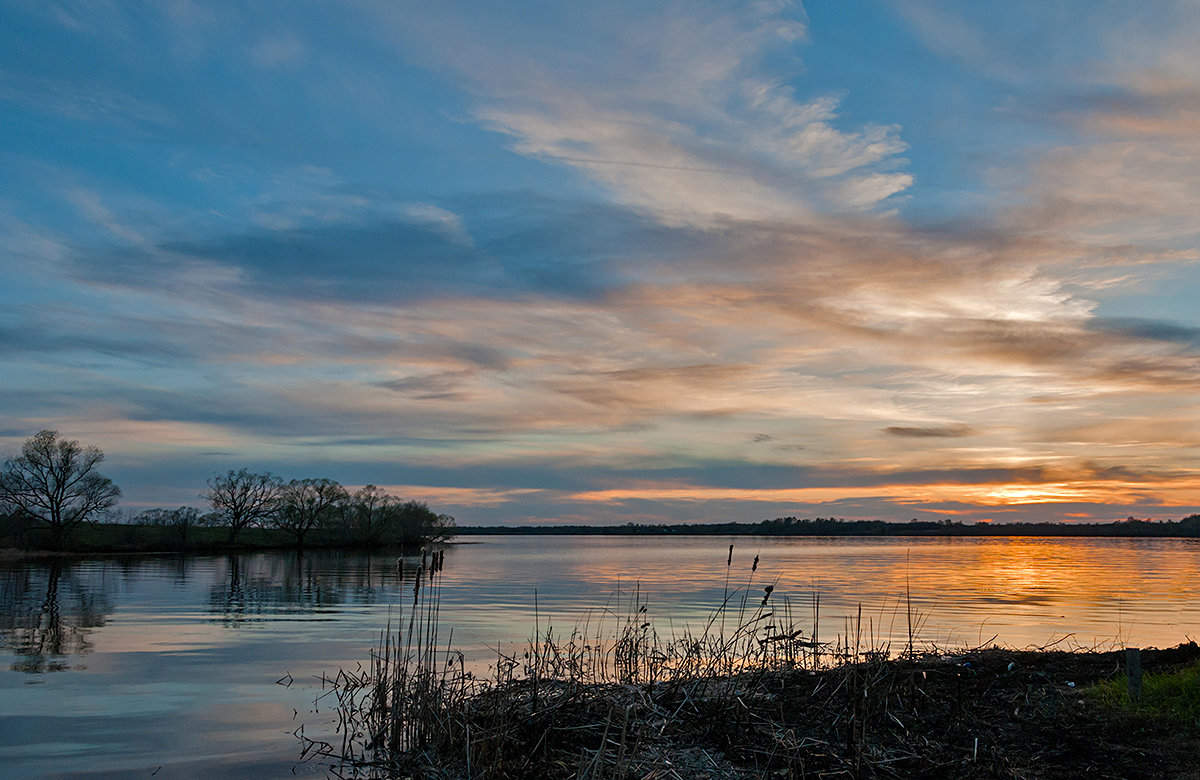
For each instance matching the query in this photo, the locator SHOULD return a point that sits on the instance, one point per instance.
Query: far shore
(1188, 527)
(136, 539)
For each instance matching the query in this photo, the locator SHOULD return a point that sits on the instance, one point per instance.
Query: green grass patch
(1168, 698)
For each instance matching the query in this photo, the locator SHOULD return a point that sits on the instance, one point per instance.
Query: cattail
(754, 566)
(729, 562)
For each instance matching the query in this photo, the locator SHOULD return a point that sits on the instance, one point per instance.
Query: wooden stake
(1133, 670)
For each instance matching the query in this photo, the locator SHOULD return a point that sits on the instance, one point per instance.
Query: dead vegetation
(748, 695)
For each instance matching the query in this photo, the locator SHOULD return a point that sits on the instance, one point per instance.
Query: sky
(544, 262)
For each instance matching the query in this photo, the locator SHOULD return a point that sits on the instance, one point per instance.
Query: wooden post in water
(1133, 670)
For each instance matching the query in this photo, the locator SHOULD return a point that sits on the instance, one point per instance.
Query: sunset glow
(627, 263)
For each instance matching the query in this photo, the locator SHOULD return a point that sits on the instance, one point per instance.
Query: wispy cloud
(929, 431)
(278, 50)
(662, 273)
(95, 102)
(688, 122)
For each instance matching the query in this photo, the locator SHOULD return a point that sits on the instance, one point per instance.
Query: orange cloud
(1184, 493)
(459, 496)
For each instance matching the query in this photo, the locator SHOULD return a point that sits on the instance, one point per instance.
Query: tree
(416, 522)
(181, 520)
(305, 504)
(366, 515)
(374, 516)
(54, 480)
(445, 528)
(243, 498)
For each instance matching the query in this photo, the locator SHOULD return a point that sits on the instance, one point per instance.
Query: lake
(173, 667)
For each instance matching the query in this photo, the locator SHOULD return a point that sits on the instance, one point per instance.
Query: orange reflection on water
(1025, 591)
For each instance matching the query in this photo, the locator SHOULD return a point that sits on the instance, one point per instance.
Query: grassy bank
(756, 692)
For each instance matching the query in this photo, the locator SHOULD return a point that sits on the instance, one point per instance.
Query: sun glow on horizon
(643, 261)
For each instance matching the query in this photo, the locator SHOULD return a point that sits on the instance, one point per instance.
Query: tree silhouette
(243, 498)
(181, 520)
(373, 516)
(366, 516)
(54, 480)
(306, 504)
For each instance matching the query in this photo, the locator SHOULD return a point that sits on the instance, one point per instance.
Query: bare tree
(443, 529)
(367, 515)
(306, 504)
(243, 498)
(373, 516)
(54, 480)
(181, 520)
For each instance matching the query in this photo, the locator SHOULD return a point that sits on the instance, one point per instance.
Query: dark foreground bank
(983, 713)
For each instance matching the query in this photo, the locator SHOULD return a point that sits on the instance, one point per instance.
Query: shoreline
(1188, 527)
(13, 554)
(755, 693)
(466, 535)
(985, 712)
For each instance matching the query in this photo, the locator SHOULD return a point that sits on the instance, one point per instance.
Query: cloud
(1145, 329)
(691, 245)
(929, 431)
(278, 50)
(48, 337)
(93, 103)
(511, 244)
(648, 328)
(687, 123)
(87, 17)
(459, 496)
(948, 34)
(442, 385)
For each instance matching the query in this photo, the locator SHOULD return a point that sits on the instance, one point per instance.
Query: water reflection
(47, 615)
(256, 588)
(179, 655)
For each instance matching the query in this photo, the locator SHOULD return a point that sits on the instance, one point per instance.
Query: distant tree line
(54, 485)
(832, 526)
(369, 516)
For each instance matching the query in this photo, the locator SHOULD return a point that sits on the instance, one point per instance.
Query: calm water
(167, 666)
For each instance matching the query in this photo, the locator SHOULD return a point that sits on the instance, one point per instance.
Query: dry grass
(748, 695)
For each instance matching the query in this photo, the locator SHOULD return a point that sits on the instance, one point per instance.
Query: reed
(416, 703)
(750, 694)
